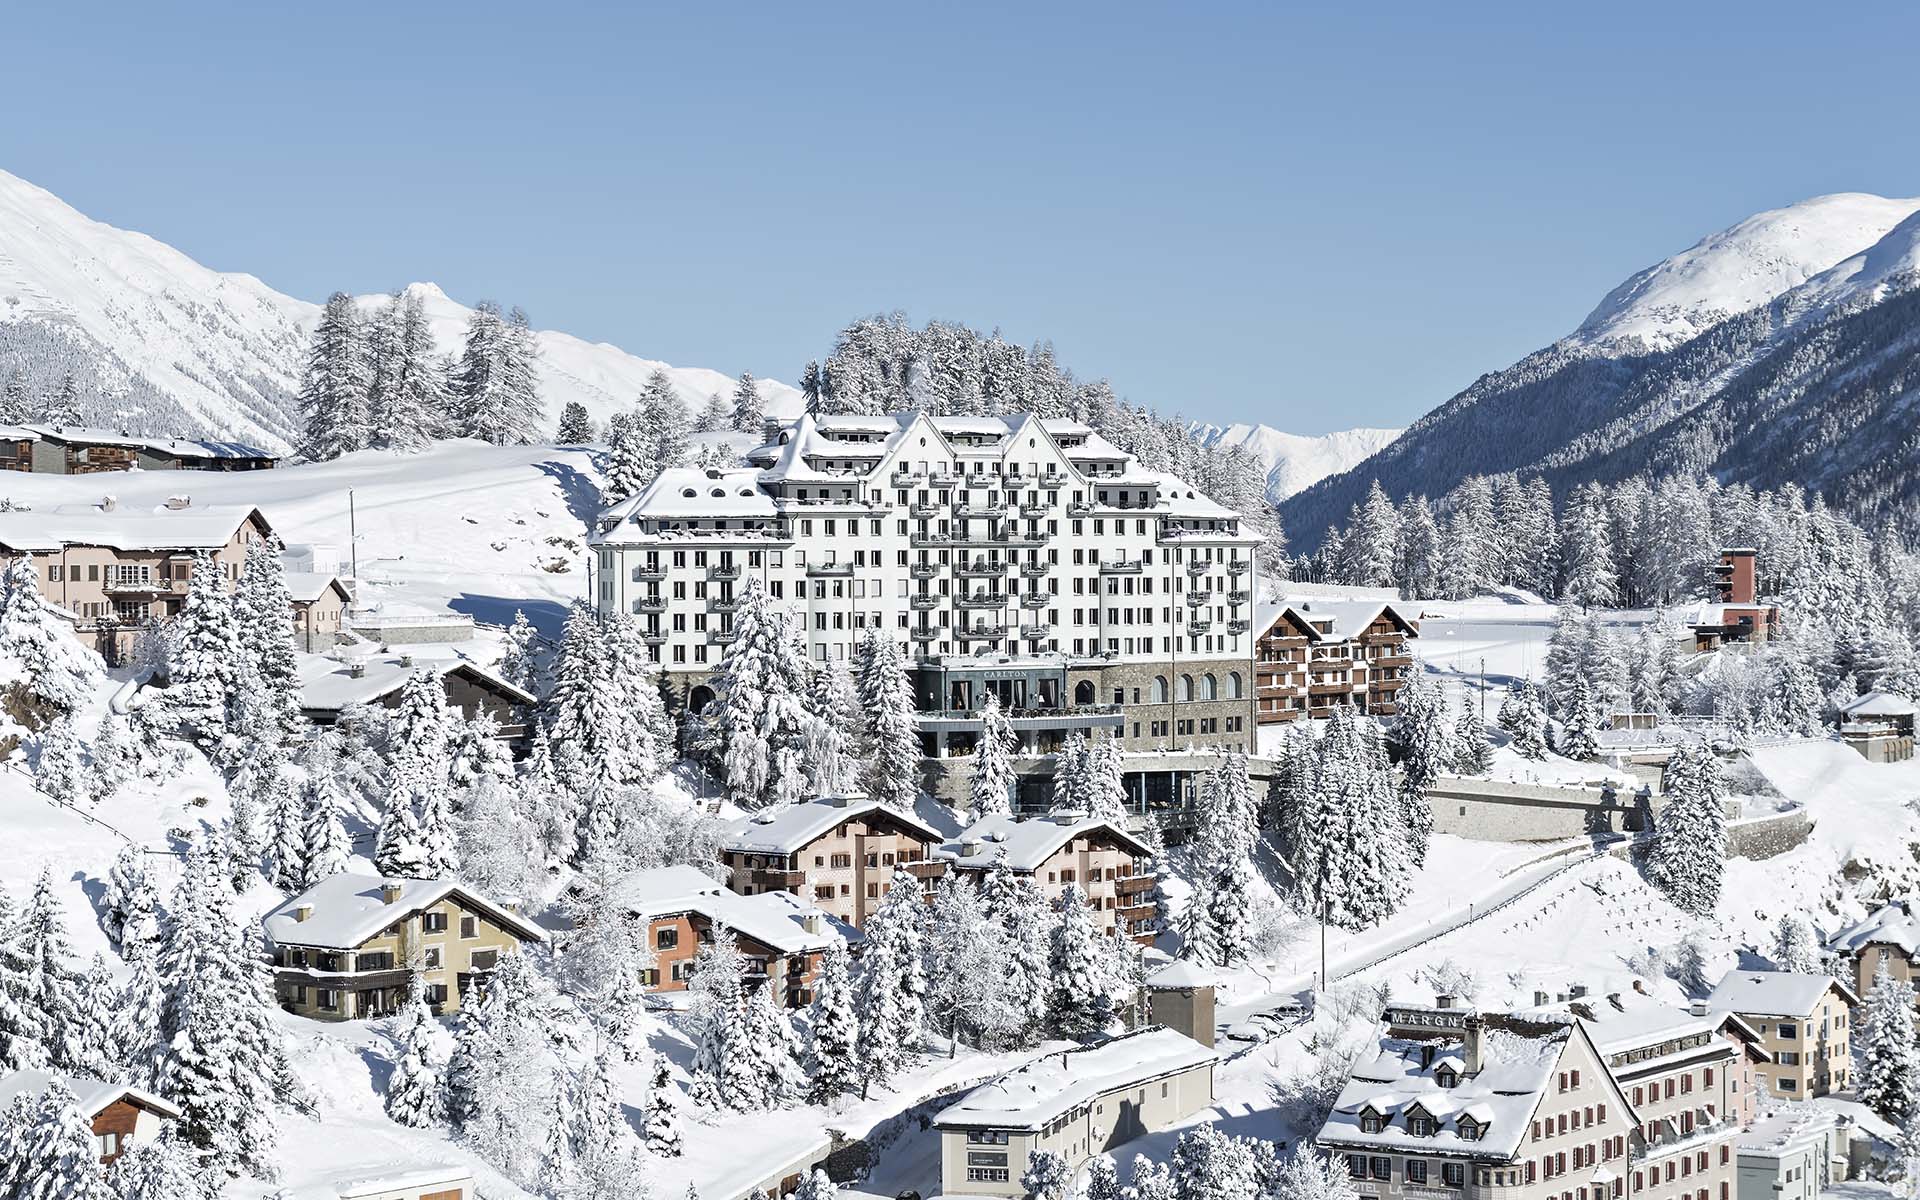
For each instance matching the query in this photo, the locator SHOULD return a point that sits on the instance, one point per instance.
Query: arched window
(699, 698)
(1209, 687)
(1233, 685)
(1159, 689)
(1186, 688)
(1083, 692)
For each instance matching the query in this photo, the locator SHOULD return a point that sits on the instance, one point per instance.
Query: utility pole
(1483, 690)
(353, 548)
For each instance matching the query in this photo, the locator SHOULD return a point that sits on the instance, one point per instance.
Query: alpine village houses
(348, 947)
(837, 853)
(1058, 851)
(1314, 656)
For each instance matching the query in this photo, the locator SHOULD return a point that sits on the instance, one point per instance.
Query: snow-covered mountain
(160, 343)
(1295, 462)
(1785, 349)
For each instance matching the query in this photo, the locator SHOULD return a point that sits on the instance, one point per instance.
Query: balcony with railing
(1034, 633)
(1237, 626)
(1239, 596)
(923, 570)
(1052, 479)
(903, 478)
(924, 601)
(921, 868)
(650, 604)
(1122, 566)
(651, 573)
(723, 571)
(1198, 567)
(779, 881)
(838, 570)
(1237, 566)
(725, 604)
(1079, 508)
(722, 637)
(1197, 628)
(1034, 512)
(980, 512)
(654, 637)
(142, 585)
(1133, 885)
(1035, 570)
(1035, 600)
(1195, 599)
(981, 600)
(981, 568)
(943, 479)
(980, 633)
(923, 511)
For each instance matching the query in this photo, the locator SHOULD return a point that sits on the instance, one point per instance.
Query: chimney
(107, 503)
(389, 893)
(814, 922)
(356, 670)
(1068, 817)
(406, 660)
(970, 847)
(1473, 1045)
(1697, 1008)
(1575, 991)
(176, 503)
(842, 801)
(1540, 998)
(301, 912)
(1443, 1000)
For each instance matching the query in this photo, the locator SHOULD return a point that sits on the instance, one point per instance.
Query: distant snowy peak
(1294, 462)
(162, 344)
(1746, 266)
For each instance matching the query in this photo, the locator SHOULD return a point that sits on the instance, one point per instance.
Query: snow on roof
(1348, 618)
(1790, 1127)
(1065, 427)
(377, 1179)
(1028, 842)
(1515, 1070)
(1180, 973)
(1033, 1094)
(980, 426)
(685, 492)
(793, 827)
(307, 586)
(859, 422)
(93, 1094)
(179, 447)
(17, 433)
(158, 528)
(792, 466)
(329, 684)
(1879, 704)
(350, 908)
(1097, 449)
(778, 920)
(1775, 993)
(1891, 925)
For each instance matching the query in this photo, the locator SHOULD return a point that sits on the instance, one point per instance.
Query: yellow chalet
(348, 946)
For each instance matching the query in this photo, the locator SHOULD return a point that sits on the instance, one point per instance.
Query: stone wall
(1133, 681)
(1489, 810)
(1767, 836)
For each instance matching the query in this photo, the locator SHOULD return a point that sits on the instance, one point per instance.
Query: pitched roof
(1775, 993)
(731, 492)
(348, 910)
(793, 827)
(777, 920)
(1029, 1096)
(1349, 618)
(307, 586)
(1028, 841)
(329, 684)
(1890, 925)
(179, 447)
(1879, 704)
(93, 1094)
(1501, 1098)
(193, 527)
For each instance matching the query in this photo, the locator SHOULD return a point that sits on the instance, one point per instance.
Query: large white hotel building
(1024, 556)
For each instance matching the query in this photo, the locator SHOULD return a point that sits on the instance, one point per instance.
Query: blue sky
(1317, 218)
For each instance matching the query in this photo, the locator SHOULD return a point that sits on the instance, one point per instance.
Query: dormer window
(1470, 1131)
(1420, 1126)
(1446, 1077)
(1371, 1122)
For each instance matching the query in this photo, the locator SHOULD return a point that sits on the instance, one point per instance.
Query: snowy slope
(181, 347)
(1742, 268)
(1294, 462)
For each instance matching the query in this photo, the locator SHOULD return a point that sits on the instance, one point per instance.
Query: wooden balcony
(925, 869)
(779, 881)
(1133, 885)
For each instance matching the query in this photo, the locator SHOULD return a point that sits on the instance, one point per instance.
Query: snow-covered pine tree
(1078, 1004)
(1578, 731)
(759, 714)
(59, 766)
(476, 386)
(1070, 774)
(749, 411)
(1524, 717)
(1103, 1180)
(412, 407)
(1471, 563)
(1371, 549)
(261, 603)
(1015, 904)
(1473, 753)
(1106, 793)
(139, 1018)
(205, 651)
(629, 459)
(1888, 1079)
(98, 1000)
(520, 655)
(1587, 555)
(772, 1049)
(967, 952)
(55, 669)
(716, 416)
(1344, 834)
(666, 423)
(715, 1018)
(1047, 1177)
(576, 426)
(661, 1129)
(1689, 852)
(991, 782)
(416, 1089)
(1795, 946)
(892, 733)
(51, 1154)
(157, 1169)
(128, 906)
(833, 709)
(833, 1030)
(40, 939)
(1424, 744)
(891, 1002)
(1420, 550)
(333, 390)
(116, 757)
